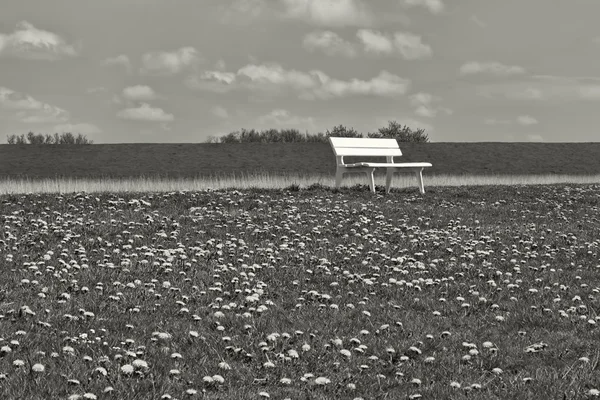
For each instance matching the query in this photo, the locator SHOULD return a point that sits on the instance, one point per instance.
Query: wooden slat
(394, 165)
(363, 142)
(353, 151)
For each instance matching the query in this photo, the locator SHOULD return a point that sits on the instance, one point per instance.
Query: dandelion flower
(264, 394)
(322, 380)
(127, 369)
(219, 379)
(594, 392)
(38, 368)
(285, 381)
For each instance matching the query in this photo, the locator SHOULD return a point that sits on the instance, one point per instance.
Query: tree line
(394, 130)
(64, 138)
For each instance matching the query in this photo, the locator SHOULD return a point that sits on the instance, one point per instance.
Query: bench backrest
(387, 148)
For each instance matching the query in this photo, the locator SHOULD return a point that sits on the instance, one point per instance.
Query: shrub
(64, 138)
(394, 130)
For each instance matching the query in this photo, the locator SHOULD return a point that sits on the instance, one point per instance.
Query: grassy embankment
(148, 167)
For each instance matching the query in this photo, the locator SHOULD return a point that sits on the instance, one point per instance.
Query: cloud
(243, 11)
(272, 78)
(212, 81)
(121, 59)
(220, 112)
(526, 120)
(477, 21)
(284, 117)
(30, 110)
(491, 68)
(146, 113)
(83, 128)
(139, 93)
(29, 42)
(330, 13)
(318, 85)
(434, 6)
(329, 43)
(545, 87)
(408, 45)
(424, 104)
(169, 63)
(535, 138)
(375, 42)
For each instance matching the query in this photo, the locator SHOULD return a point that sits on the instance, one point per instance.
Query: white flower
(264, 394)
(218, 378)
(285, 381)
(140, 364)
(594, 392)
(127, 369)
(38, 368)
(455, 384)
(224, 366)
(90, 396)
(322, 380)
(305, 347)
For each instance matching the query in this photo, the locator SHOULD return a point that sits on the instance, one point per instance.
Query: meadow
(488, 292)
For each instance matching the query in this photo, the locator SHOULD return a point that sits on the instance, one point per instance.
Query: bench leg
(388, 179)
(371, 179)
(419, 174)
(339, 174)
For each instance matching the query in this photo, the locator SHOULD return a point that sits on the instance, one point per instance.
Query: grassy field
(194, 160)
(490, 292)
(268, 181)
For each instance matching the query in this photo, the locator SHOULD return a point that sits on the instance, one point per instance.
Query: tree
(32, 138)
(342, 131)
(394, 130)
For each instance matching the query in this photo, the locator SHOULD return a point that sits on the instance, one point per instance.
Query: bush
(64, 138)
(394, 130)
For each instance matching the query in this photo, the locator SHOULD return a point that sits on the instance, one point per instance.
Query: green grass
(268, 181)
(205, 160)
(264, 286)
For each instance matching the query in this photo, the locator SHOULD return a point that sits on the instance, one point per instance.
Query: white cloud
(317, 84)
(526, 120)
(121, 59)
(29, 42)
(535, 138)
(139, 93)
(169, 63)
(220, 112)
(29, 109)
(83, 128)
(410, 46)
(424, 104)
(212, 81)
(477, 21)
(548, 88)
(243, 11)
(274, 79)
(329, 43)
(281, 117)
(330, 13)
(492, 68)
(375, 42)
(145, 113)
(434, 6)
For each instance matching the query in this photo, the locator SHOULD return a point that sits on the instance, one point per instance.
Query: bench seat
(373, 147)
(390, 165)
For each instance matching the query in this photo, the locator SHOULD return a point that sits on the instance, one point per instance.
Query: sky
(181, 71)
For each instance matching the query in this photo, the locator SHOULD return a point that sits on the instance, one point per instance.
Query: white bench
(363, 147)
